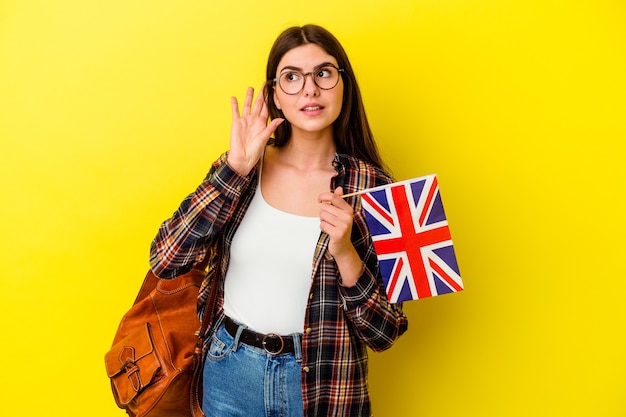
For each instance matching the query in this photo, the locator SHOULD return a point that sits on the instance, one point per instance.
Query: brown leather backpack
(157, 349)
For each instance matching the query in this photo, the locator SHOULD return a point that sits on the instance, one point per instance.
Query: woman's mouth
(312, 109)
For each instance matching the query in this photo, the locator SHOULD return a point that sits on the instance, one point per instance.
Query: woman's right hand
(249, 132)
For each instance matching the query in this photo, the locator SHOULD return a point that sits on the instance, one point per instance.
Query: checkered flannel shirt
(340, 322)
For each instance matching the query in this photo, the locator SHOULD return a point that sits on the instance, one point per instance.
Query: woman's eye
(324, 72)
(291, 76)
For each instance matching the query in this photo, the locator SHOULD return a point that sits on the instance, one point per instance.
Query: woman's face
(312, 110)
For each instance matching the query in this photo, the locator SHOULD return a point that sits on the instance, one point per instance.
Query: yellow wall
(111, 112)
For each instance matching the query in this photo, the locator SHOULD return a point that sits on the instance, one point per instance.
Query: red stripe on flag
(394, 279)
(429, 199)
(376, 207)
(445, 276)
(411, 242)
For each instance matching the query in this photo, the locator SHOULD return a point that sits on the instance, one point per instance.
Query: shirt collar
(340, 161)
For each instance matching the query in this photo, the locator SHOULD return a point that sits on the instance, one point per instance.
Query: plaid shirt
(340, 322)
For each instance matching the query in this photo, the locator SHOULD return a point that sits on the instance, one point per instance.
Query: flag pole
(356, 193)
(367, 190)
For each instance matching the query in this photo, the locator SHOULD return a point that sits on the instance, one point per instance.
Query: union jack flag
(412, 239)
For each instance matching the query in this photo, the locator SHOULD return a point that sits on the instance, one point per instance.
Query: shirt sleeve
(379, 322)
(182, 240)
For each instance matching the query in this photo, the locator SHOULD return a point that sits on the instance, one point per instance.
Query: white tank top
(269, 275)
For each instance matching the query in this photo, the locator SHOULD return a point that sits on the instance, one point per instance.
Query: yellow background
(111, 112)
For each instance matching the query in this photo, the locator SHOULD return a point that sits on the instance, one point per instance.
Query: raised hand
(249, 132)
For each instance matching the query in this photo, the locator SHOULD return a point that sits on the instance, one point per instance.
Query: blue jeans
(245, 381)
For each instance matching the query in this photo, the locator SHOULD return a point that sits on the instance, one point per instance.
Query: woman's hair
(351, 129)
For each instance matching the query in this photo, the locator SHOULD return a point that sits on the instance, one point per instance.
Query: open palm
(249, 132)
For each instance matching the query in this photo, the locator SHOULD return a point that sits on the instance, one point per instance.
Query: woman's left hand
(336, 217)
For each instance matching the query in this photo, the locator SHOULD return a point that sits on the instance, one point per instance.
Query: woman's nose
(310, 88)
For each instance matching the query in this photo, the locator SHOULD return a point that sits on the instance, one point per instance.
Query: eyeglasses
(325, 77)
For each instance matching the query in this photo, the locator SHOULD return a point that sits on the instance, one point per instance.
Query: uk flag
(412, 239)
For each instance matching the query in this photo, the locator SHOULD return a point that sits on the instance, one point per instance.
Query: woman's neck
(308, 151)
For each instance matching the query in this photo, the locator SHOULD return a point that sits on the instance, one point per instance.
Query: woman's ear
(276, 102)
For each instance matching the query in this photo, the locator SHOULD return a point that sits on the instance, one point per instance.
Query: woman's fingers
(334, 198)
(247, 104)
(336, 217)
(250, 131)
(234, 107)
(274, 124)
(258, 109)
(334, 209)
(259, 106)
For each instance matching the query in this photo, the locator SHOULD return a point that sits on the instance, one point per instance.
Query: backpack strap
(151, 281)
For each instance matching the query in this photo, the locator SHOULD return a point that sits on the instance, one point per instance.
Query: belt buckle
(264, 343)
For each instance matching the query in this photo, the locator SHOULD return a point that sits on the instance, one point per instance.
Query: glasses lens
(326, 77)
(292, 82)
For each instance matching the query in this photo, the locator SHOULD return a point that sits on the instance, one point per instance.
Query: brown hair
(351, 129)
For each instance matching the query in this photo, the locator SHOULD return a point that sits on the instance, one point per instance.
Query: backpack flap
(132, 364)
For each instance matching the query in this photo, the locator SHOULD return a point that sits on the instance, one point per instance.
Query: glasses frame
(311, 73)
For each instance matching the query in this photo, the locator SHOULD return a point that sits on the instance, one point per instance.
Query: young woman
(300, 293)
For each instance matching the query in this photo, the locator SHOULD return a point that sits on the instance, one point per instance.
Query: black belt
(273, 343)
